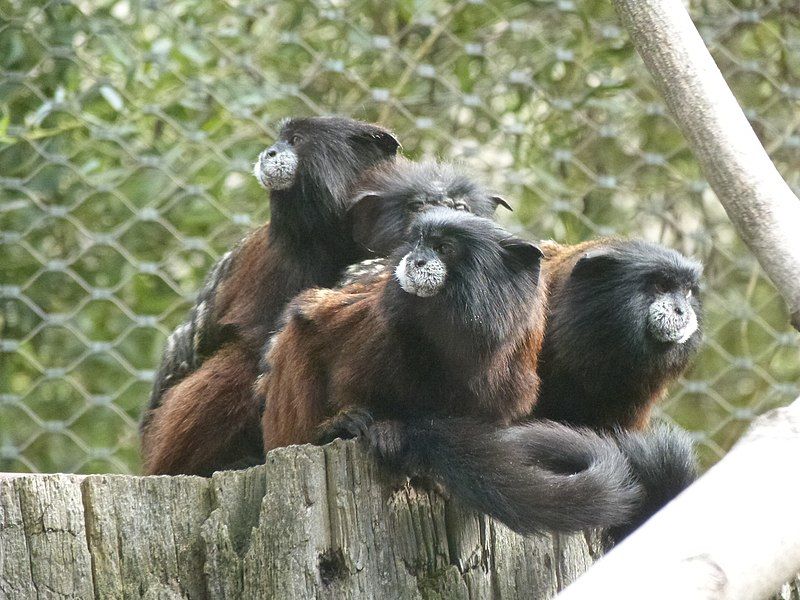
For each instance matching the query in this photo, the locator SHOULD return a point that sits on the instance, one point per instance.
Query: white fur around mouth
(424, 281)
(276, 172)
(688, 330)
(663, 324)
(258, 175)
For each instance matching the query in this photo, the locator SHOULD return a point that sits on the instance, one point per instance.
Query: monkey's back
(338, 350)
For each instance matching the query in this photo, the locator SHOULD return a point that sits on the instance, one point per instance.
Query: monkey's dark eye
(416, 206)
(660, 287)
(444, 248)
(462, 206)
(295, 139)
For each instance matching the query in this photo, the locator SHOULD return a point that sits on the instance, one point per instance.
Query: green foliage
(127, 130)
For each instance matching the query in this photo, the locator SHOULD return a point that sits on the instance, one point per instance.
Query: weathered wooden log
(314, 522)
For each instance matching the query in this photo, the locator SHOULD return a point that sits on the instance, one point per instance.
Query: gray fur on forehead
(411, 179)
(332, 126)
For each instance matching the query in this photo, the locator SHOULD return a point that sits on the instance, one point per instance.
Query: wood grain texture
(313, 522)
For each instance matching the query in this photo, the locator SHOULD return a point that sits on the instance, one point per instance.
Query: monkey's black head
(464, 275)
(389, 197)
(322, 155)
(636, 300)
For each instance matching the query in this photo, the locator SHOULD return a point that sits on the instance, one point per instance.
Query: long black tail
(535, 476)
(663, 462)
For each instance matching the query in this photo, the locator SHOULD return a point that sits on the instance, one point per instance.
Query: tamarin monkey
(201, 416)
(624, 320)
(443, 354)
(235, 311)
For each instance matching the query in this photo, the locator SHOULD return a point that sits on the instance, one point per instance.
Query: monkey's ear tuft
(594, 261)
(522, 252)
(500, 201)
(383, 139)
(364, 213)
(388, 142)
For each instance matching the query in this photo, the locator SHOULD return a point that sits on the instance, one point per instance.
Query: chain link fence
(127, 130)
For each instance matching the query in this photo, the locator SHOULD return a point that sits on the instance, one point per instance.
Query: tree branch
(758, 201)
(735, 533)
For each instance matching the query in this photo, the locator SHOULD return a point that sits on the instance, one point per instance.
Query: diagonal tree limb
(734, 534)
(762, 207)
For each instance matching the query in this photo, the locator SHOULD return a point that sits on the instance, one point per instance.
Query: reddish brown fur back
(559, 259)
(315, 361)
(337, 352)
(205, 418)
(200, 421)
(254, 294)
(237, 300)
(198, 418)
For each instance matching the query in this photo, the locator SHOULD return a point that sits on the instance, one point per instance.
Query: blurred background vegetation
(127, 131)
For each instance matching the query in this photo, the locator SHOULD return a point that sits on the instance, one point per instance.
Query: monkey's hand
(386, 438)
(347, 424)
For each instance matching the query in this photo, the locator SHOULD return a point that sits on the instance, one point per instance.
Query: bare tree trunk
(757, 199)
(734, 534)
(314, 522)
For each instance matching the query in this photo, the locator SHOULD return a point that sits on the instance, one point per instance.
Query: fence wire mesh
(127, 130)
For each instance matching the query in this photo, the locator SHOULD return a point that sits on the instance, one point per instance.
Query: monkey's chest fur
(421, 379)
(399, 373)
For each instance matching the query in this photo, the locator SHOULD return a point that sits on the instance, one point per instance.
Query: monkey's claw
(346, 425)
